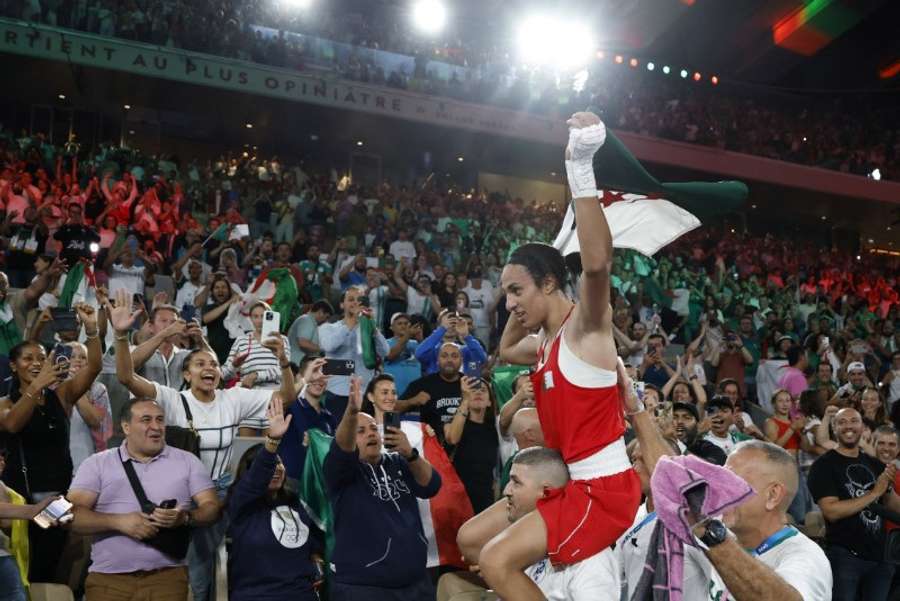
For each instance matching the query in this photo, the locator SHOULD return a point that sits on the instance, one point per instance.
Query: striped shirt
(259, 360)
(216, 422)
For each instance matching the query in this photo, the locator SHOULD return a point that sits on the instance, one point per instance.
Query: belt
(608, 461)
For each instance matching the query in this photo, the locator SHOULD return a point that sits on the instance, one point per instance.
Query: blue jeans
(201, 556)
(802, 501)
(857, 578)
(11, 588)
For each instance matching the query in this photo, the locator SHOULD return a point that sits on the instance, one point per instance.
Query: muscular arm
(747, 578)
(595, 241)
(516, 346)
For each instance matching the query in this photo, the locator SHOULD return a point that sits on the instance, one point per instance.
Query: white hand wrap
(583, 143)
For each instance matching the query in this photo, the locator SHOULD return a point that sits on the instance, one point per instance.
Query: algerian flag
(313, 493)
(79, 286)
(277, 288)
(644, 214)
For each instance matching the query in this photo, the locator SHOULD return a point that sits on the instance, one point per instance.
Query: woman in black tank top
(35, 418)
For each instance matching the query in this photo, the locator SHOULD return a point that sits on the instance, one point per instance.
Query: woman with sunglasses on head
(36, 415)
(272, 549)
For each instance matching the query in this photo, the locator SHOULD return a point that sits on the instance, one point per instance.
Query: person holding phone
(252, 359)
(218, 416)
(453, 328)
(380, 552)
(36, 415)
(473, 435)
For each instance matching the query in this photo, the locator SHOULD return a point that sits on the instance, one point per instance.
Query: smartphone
(391, 420)
(168, 504)
(338, 367)
(57, 511)
(64, 320)
(824, 341)
(271, 325)
(62, 352)
(188, 312)
(639, 389)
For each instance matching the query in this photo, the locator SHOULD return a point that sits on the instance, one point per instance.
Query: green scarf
(10, 335)
(367, 342)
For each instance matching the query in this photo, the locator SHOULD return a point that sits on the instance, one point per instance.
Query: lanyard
(776, 539)
(647, 518)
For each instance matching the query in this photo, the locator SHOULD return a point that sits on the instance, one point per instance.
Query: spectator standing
(721, 417)
(213, 315)
(251, 358)
(793, 379)
(402, 248)
(271, 552)
(36, 416)
(437, 396)
(452, 329)
(218, 415)
(420, 298)
(76, 237)
(482, 301)
(303, 334)
(846, 483)
(307, 411)
(90, 425)
(380, 549)
(341, 340)
(401, 361)
(473, 434)
(125, 562)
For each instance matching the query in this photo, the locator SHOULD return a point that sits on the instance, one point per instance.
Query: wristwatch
(413, 456)
(715, 534)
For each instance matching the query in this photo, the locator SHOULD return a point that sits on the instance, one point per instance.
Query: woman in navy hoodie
(271, 551)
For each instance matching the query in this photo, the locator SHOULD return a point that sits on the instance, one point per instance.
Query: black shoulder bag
(186, 439)
(171, 541)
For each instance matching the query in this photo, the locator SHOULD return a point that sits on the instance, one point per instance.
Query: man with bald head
(525, 428)
(782, 564)
(380, 551)
(848, 484)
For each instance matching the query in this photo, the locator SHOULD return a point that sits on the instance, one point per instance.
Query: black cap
(689, 407)
(721, 402)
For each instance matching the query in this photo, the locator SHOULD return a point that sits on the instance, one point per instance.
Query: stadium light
(876, 174)
(666, 69)
(684, 74)
(544, 40)
(697, 76)
(650, 66)
(429, 16)
(715, 80)
(298, 4)
(633, 63)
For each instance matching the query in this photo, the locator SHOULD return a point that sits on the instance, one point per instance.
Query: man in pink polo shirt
(125, 557)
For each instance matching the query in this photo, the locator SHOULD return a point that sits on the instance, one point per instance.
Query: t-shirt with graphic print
(836, 475)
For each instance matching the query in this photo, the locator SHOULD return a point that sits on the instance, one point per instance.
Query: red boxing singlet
(592, 511)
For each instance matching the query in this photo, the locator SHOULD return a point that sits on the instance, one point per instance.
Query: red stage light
(714, 80)
(633, 62)
(697, 76)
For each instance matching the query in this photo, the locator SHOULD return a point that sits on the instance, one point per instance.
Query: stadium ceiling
(804, 44)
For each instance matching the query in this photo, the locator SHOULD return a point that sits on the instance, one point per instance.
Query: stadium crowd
(802, 129)
(137, 299)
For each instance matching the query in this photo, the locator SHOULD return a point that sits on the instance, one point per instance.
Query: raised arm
(517, 346)
(122, 318)
(72, 390)
(586, 135)
(345, 435)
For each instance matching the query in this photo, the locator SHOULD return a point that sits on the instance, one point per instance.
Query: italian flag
(79, 286)
(644, 214)
(442, 515)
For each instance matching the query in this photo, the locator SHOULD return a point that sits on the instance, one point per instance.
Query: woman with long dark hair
(272, 552)
(221, 297)
(473, 434)
(576, 394)
(36, 416)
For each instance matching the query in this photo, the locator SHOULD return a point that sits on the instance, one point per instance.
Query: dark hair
(541, 261)
(367, 405)
(165, 307)
(794, 354)
(14, 354)
(322, 305)
(282, 497)
(125, 413)
(809, 403)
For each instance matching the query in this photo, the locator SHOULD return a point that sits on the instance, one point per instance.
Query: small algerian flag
(277, 288)
(79, 286)
(644, 214)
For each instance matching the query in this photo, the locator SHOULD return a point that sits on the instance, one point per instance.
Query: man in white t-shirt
(402, 247)
(721, 417)
(783, 563)
(195, 281)
(534, 472)
(481, 303)
(123, 273)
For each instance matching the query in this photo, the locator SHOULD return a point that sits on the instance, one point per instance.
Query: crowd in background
(822, 132)
(731, 335)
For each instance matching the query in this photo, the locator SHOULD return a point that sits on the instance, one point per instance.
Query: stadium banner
(321, 88)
